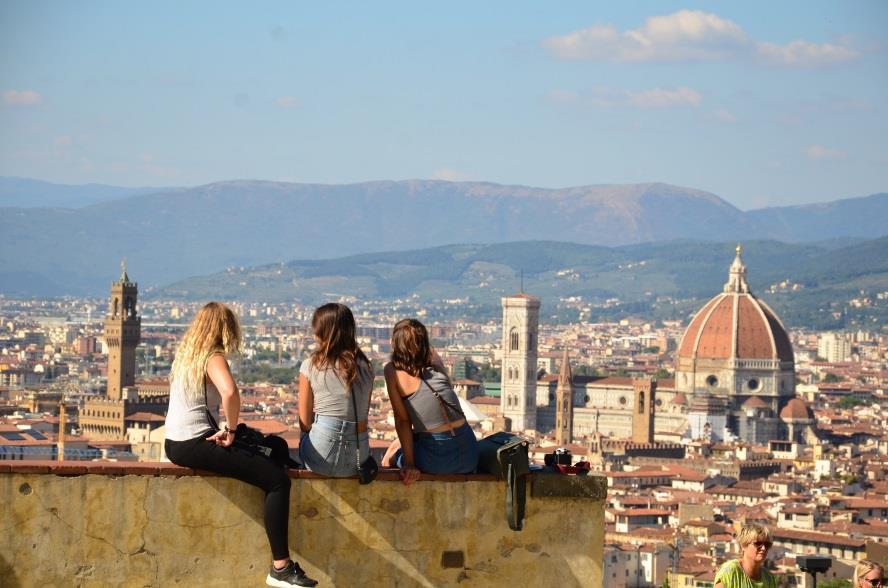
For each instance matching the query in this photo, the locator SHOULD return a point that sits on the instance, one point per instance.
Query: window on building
(513, 339)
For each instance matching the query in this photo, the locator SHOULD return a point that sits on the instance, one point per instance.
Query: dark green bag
(505, 456)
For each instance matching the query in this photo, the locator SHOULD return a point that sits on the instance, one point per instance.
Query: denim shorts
(329, 448)
(443, 453)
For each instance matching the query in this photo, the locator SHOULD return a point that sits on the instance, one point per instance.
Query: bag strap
(441, 404)
(357, 420)
(210, 416)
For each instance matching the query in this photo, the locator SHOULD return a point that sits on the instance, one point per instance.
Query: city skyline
(762, 105)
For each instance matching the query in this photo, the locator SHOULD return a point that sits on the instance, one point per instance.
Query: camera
(814, 564)
(559, 457)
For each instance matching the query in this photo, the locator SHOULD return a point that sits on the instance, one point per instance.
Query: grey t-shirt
(331, 396)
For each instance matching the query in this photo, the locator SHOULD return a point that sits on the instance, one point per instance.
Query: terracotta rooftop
(796, 410)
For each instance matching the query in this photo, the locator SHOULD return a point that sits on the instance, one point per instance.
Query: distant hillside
(655, 280)
(171, 234)
(829, 220)
(27, 193)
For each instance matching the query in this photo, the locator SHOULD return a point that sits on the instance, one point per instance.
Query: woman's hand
(222, 438)
(409, 475)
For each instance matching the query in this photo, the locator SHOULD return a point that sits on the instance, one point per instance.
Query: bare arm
(403, 426)
(306, 404)
(220, 375)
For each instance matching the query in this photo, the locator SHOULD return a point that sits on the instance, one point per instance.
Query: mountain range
(69, 240)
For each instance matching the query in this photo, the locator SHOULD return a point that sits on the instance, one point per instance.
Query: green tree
(663, 374)
(585, 370)
(831, 378)
(835, 583)
(266, 373)
(483, 372)
(850, 402)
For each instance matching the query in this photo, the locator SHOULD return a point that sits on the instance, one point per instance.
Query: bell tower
(564, 404)
(122, 334)
(645, 390)
(521, 317)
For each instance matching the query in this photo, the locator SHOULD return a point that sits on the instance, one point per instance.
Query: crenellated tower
(122, 334)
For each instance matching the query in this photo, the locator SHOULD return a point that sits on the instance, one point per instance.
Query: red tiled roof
(758, 333)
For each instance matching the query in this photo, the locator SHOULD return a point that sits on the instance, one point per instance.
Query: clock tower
(122, 333)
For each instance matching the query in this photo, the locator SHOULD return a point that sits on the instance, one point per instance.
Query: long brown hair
(333, 325)
(215, 329)
(411, 350)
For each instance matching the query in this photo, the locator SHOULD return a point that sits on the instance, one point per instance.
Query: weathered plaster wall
(163, 530)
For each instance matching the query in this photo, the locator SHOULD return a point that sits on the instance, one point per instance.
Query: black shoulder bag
(271, 446)
(368, 469)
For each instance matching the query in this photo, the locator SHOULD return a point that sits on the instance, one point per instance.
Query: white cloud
(22, 98)
(723, 115)
(289, 102)
(665, 98)
(686, 35)
(801, 53)
(449, 175)
(690, 35)
(562, 97)
(821, 152)
(605, 97)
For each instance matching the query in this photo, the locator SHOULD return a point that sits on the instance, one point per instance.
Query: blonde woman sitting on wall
(748, 571)
(868, 574)
(200, 381)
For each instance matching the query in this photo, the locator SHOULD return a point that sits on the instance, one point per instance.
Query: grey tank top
(425, 409)
(331, 395)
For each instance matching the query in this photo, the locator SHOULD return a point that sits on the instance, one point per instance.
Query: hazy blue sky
(763, 103)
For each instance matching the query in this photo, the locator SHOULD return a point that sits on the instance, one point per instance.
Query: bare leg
(388, 458)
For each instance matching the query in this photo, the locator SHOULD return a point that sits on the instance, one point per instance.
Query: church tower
(564, 404)
(643, 413)
(122, 334)
(521, 317)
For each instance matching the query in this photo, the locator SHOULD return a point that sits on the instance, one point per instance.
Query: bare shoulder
(217, 359)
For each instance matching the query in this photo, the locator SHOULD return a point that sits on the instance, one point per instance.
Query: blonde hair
(751, 533)
(864, 567)
(215, 329)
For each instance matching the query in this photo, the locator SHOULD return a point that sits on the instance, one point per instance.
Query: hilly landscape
(71, 243)
(665, 280)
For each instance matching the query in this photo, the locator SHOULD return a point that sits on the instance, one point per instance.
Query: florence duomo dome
(736, 349)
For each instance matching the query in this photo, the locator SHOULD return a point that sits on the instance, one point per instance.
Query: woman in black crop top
(433, 435)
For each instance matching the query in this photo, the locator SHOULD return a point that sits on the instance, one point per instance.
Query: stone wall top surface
(121, 468)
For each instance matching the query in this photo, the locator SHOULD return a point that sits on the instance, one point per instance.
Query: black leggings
(246, 466)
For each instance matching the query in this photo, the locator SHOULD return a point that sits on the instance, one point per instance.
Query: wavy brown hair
(411, 351)
(215, 329)
(333, 325)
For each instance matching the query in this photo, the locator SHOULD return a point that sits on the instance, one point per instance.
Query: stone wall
(91, 524)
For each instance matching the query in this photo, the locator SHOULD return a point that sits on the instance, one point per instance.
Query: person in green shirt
(748, 571)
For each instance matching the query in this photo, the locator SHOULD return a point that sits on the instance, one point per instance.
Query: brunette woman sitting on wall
(433, 434)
